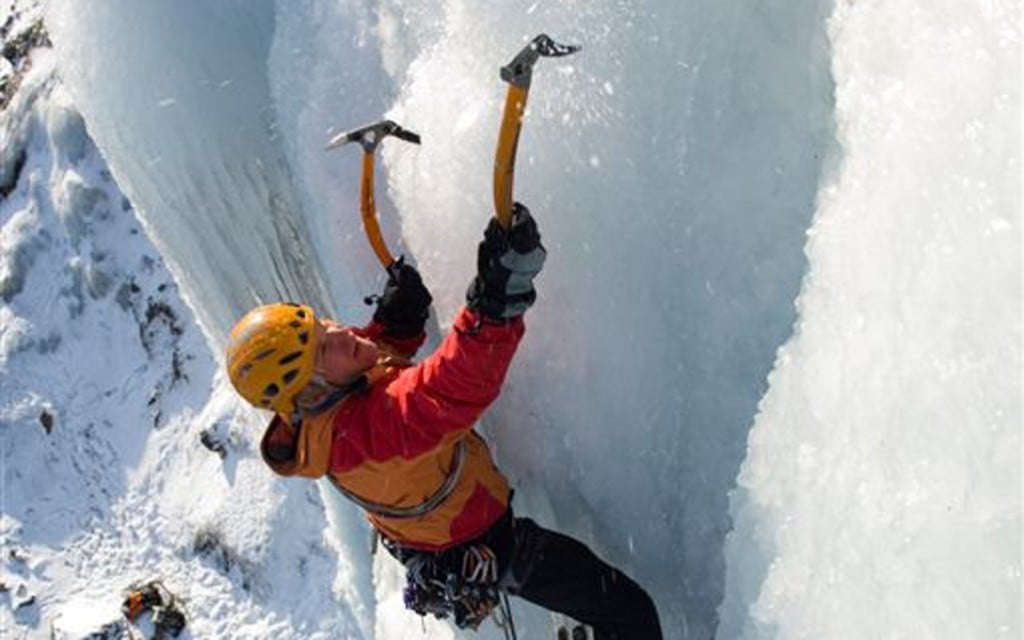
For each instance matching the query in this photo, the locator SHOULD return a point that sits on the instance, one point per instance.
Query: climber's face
(341, 355)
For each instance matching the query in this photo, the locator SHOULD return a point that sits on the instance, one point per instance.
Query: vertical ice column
(177, 97)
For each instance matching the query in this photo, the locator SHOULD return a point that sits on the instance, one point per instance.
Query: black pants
(561, 574)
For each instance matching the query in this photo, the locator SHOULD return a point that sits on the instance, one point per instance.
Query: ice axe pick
(518, 74)
(369, 138)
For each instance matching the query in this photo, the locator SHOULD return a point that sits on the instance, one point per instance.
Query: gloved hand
(507, 262)
(404, 306)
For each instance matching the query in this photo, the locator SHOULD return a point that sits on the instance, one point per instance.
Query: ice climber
(397, 438)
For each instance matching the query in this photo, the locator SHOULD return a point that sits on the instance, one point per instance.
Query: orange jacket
(394, 442)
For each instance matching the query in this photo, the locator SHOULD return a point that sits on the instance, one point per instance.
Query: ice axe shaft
(518, 74)
(369, 138)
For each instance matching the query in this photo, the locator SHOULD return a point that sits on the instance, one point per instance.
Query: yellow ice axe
(518, 75)
(370, 137)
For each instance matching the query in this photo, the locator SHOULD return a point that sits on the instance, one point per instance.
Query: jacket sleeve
(446, 393)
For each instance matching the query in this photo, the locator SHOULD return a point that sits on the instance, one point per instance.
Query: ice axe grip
(370, 137)
(518, 74)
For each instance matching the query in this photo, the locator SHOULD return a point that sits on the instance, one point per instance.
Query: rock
(46, 419)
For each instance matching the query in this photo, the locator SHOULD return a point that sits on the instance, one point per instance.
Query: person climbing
(397, 438)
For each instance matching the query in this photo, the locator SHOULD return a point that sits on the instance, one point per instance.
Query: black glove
(507, 262)
(404, 306)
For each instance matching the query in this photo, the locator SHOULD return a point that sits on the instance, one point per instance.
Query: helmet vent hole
(290, 376)
(263, 354)
(271, 390)
(244, 371)
(295, 324)
(304, 337)
(291, 357)
(302, 314)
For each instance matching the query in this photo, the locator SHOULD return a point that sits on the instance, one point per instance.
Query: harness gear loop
(435, 585)
(463, 582)
(480, 565)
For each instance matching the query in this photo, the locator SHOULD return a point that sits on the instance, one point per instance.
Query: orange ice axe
(518, 75)
(370, 137)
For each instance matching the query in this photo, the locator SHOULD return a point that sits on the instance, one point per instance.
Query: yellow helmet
(271, 353)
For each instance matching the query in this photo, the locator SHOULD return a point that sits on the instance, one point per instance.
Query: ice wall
(882, 492)
(176, 95)
(672, 166)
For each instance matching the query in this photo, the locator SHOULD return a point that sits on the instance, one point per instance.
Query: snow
(774, 370)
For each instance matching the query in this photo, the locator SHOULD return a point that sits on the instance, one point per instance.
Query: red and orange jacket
(394, 443)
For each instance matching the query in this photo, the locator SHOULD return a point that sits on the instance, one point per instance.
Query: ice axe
(518, 75)
(370, 137)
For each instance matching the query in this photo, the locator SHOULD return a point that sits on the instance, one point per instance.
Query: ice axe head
(370, 136)
(519, 71)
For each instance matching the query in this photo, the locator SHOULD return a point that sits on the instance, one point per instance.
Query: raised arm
(451, 388)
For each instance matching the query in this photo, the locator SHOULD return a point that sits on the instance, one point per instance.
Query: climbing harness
(370, 137)
(518, 74)
(470, 595)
